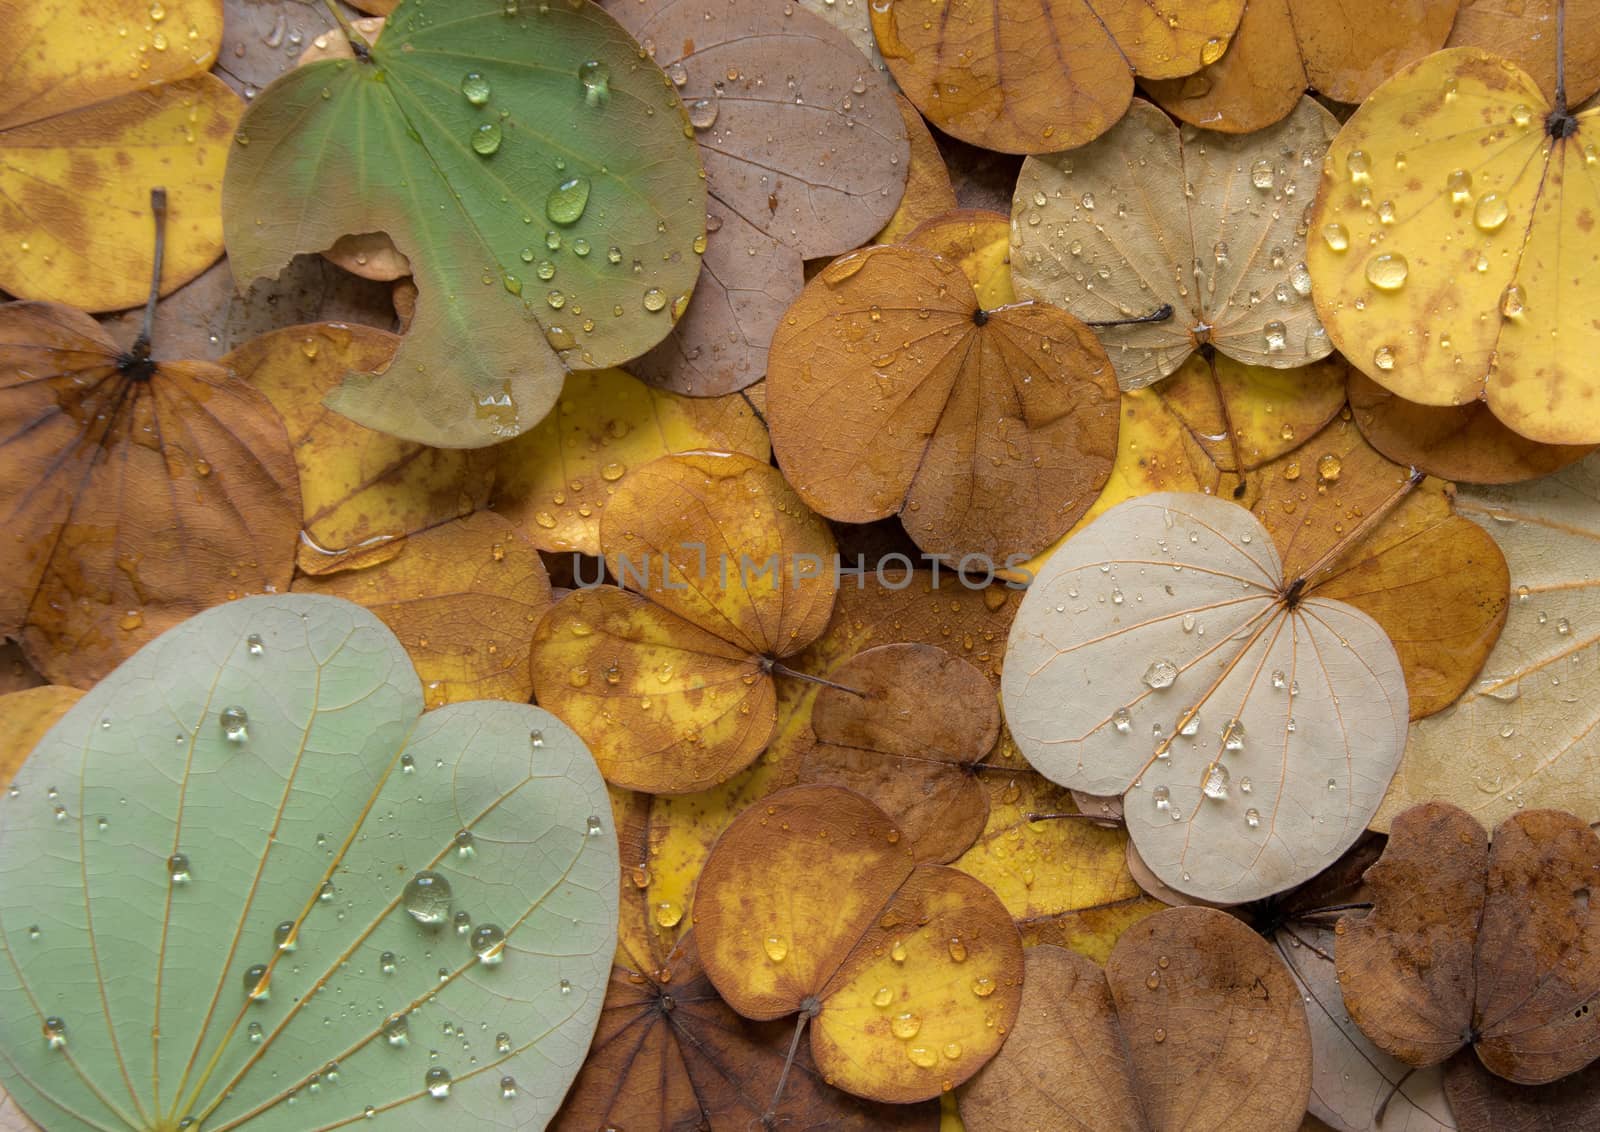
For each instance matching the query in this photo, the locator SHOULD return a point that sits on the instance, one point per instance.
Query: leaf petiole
(358, 42)
(1160, 314)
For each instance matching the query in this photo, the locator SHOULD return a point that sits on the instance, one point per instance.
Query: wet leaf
(1193, 1024)
(1455, 442)
(1483, 1102)
(137, 493)
(910, 974)
(1284, 46)
(463, 598)
(1165, 654)
(917, 765)
(304, 790)
(102, 103)
(1524, 733)
(977, 241)
(673, 686)
(805, 154)
(854, 19)
(1209, 224)
(24, 718)
(670, 1053)
(1036, 77)
(891, 390)
(928, 189)
(557, 479)
(1471, 943)
(362, 491)
(586, 174)
(1524, 31)
(1452, 237)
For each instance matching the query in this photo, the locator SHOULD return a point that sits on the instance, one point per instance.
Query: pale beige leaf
(1209, 223)
(1350, 1077)
(1162, 654)
(1527, 734)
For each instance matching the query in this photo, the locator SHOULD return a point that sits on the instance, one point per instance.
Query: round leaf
(1162, 654)
(256, 787)
(523, 230)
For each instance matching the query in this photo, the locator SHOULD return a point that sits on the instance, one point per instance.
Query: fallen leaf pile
(823, 564)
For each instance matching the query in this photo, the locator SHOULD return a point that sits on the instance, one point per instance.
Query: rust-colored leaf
(134, 493)
(892, 391)
(1494, 945)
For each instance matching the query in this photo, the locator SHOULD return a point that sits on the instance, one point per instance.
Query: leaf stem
(158, 210)
(1160, 314)
(358, 42)
(778, 668)
(808, 1010)
(1064, 814)
(1359, 532)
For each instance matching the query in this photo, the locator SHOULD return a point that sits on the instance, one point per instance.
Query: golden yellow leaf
(24, 718)
(1453, 245)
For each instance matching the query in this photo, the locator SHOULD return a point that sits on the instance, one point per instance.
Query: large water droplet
(566, 201)
(427, 898)
(437, 1081)
(906, 1025)
(1160, 674)
(1216, 783)
(703, 113)
(486, 138)
(1490, 212)
(475, 87)
(776, 947)
(178, 868)
(595, 78)
(489, 943)
(234, 722)
(397, 1031)
(1335, 236)
(1511, 301)
(257, 982)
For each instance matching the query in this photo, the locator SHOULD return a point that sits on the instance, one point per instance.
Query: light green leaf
(535, 166)
(335, 780)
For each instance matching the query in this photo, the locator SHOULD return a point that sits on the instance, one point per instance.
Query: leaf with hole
(249, 883)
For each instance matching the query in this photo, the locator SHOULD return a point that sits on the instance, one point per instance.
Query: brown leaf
(1483, 1102)
(1496, 947)
(135, 493)
(1038, 77)
(1455, 442)
(463, 598)
(928, 189)
(906, 737)
(1284, 46)
(15, 671)
(805, 155)
(891, 390)
(1195, 1024)
(1524, 31)
(670, 1054)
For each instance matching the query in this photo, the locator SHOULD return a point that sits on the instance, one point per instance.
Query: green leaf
(538, 170)
(335, 779)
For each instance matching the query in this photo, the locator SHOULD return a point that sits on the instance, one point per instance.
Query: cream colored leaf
(1527, 734)
(1161, 654)
(1350, 1077)
(1209, 223)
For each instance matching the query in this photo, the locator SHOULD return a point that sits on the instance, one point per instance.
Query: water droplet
(1261, 174)
(703, 113)
(654, 299)
(178, 868)
(1383, 358)
(475, 87)
(1387, 271)
(257, 982)
(776, 947)
(564, 986)
(1459, 185)
(234, 723)
(952, 1051)
(1160, 674)
(408, 765)
(462, 922)
(255, 1033)
(1335, 236)
(427, 898)
(1191, 725)
(1276, 335)
(1563, 626)
(466, 844)
(1216, 783)
(284, 936)
(55, 1033)
(502, 1043)
(1300, 279)
(1252, 817)
(897, 951)
(1160, 1035)
(1153, 980)
(1244, 786)
(397, 1031)
(1328, 467)
(1358, 165)
(593, 826)
(1162, 796)
(595, 78)
(486, 138)
(437, 1082)
(906, 1025)
(923, 1057)
(1122, 720)
(983, 986)
(957, 949)
(1521, 116)
(1212, 50)
(386, 962)
(1511, 301)
(668, 914)
(508, 1087)
(567, 200)
(489, 943)
(253, 644)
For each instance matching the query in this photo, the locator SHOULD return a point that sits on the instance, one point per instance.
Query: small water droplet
(593, 826)
(234, 722)
(257, 982)
(1511, 301)
(703, 113)
(397, 1031)
(178, 868)
(897, 951)
(595, 78)
(1252, 817)
(1160, 674)
(488, 943)
(776, 947)
(437, 1081)
(906, 1025)
(668, 914)
(882, 997)
(486, 138)
(654, 299)
(1383, 358)
(1328, 467)
(55, 1033)
(983, 986)
(284, 936)
(957, 949)
(1216, 782)
(386, 962)
(1162, 796)
(508, 1087)
(1122, 720)
(1276, 335)
(253, 644)
(255, 1033)
(1335, 236)
(922, 1057)
(1459, 185)
(1261, 175)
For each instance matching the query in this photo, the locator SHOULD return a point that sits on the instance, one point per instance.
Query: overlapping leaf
(929, 192)
(102, 103)
(1284, 46)
(134, 493)
(1526, 32)
(24, 718)
(1453, 238)
(561, 232)
(1483, 1102)
(1164, 653)
(270, 908)
(1524, 734)
(1194, 1023)
(673, 686)
(892, 390)
(910, 975)
(1493, 945)
(1037, 77)
(1152, 216)
(805, 154)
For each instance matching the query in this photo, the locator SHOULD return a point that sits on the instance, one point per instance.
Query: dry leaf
(805, 155)
(1153, 216)
(1163, 653)
(891, 390)
(1524, 31)
(1483, 1102)
(928, 189)
(1471, 943)
(1037, 77)
(1525, 733)
(24, 718)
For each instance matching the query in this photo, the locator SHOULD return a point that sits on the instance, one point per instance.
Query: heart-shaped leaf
(246, 882)
(531, 166)
(1163, 653)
